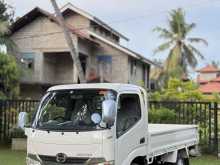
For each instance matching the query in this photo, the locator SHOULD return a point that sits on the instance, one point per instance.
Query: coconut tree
(4, 38)
(183, 55)
(6, 18)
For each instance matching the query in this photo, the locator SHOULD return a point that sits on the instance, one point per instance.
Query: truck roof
(112, 86)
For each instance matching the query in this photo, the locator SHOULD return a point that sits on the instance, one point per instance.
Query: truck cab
(102, 124)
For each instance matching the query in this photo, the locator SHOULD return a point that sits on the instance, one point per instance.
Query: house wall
(77, 21)
(208, 76)
(63, 70)
(121, 66)
(119, 62)
(139, 76)
(32, 91)
(43, 36)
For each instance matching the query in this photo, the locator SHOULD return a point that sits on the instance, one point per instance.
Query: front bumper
(49, 160)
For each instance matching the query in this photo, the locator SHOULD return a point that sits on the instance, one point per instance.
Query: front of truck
(68, 129)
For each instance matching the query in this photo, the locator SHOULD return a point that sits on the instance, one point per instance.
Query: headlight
(31, 161)
(107, 163)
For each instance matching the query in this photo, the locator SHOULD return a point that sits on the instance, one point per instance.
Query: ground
(8, 157)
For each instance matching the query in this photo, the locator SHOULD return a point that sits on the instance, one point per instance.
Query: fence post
(216, 126)
(1, 125)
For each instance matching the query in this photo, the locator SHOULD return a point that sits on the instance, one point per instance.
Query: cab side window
(129, 112)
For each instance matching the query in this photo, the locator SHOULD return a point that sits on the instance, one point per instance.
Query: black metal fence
(203, 114)
(9, 110)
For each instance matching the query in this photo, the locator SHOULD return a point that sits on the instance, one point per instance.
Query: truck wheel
(138, 164)
(182, 161)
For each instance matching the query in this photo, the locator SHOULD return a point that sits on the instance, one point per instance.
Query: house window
(105, 67)
(27, 59)
(133, 67)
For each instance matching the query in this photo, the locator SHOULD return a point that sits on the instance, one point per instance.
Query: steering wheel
(59, 117)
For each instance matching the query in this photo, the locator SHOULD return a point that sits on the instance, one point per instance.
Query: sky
(137, 18)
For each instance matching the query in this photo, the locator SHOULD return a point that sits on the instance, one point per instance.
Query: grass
(205, 160)
(8, 157)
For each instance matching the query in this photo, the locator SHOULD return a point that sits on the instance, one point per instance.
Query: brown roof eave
(36, 12)
(29, 17)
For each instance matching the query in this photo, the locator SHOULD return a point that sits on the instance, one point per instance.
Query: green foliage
(214, 98)
(52, 112)
(18, 133)
(215, 63)
(141, 83)
(6, 18)
(182, 53)
(162, 115)
(9, 77)
(6, 12)
(177, 90)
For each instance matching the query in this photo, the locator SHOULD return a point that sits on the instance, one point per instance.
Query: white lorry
(103, 124)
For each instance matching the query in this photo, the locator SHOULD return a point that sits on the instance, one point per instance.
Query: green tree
(178, 90)
(215, 63)
(6, 12)
(6, 18)
(182, 53)
(9, 77)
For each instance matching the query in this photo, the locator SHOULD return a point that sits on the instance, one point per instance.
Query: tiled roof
(211, 87)
(216, 79)
(209, 68)
(202, 81)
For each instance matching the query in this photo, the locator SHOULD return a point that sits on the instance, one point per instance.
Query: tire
(138, 164)
(182, 161)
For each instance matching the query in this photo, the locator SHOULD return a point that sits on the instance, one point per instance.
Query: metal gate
(9, 110)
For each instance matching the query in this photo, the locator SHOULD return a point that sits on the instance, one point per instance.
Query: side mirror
(108, 111)
(22, 120)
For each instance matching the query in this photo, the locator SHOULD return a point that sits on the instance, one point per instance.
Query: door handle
(142, 140)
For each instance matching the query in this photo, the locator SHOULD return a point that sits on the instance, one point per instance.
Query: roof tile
(211, 87)
(208, 69)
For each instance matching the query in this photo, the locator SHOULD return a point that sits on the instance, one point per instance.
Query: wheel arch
(171, 157)
(139, 160)
(138, 154)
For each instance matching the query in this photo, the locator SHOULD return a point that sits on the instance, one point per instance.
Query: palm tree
(4, 38)
(215, 63)
(182, 54)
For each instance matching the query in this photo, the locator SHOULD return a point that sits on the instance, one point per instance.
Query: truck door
(130, 126)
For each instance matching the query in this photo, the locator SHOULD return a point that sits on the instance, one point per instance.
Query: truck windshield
(71, 110)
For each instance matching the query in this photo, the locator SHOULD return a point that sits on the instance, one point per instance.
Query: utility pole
(73, 48)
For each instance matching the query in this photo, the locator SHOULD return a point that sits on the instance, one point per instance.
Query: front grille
(51, 160)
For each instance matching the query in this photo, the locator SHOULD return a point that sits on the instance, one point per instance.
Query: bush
(162, 115)
(177, 90)
(18, 133)
(9, 77)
